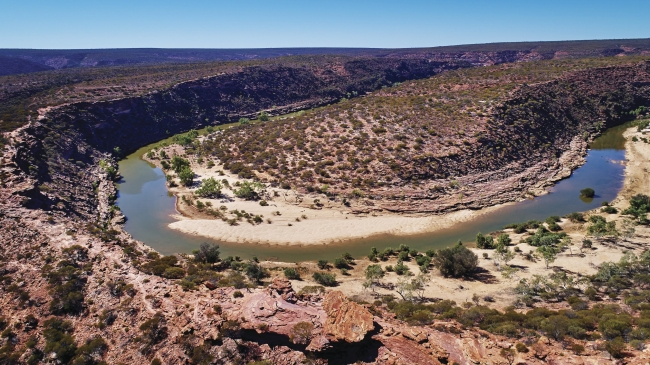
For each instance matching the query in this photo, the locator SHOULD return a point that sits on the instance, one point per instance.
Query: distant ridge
(13, 61)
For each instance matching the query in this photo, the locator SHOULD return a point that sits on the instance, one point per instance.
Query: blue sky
(311, 23)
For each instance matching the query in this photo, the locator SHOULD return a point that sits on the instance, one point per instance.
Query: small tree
(504, 239)
(341, 263)
(255, 272)
(484, 242)
(588, 192)
(628, 229)
(325, 279)
(601, 227)
(373, 274)
(568, 243)
(586, 244)
(322, 264)
(549, 253)
(207, 253)
(249, 190)
(404, 288)
(209, 188)
(186, 176)
(418, 285)
(291, 273)
(409, 289)
(456, 261)
(178, 163)
(264, 116)
(556, 326)
(615, 347)
(502, 254)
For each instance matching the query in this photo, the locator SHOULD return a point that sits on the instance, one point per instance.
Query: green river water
(144, 201)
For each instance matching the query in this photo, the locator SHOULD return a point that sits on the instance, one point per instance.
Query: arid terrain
(402, 141)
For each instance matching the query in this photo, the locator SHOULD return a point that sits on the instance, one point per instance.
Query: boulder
(283, 288)
(346, 320)
(267, 308)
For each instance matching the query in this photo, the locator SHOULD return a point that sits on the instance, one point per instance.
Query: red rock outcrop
(346, 320)
(283, 288)
(270, 309)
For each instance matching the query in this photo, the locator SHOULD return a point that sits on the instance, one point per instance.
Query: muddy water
(144, 200)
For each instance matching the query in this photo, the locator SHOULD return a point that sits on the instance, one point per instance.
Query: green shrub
(264, 116)
(179, 163)
(249, 190)
(576, 217)
(209, 188)
(92, 349)
(255, 272)
(302, 333)
(523, 227)
(554, 227)
(207, 253)
(639, 206)
(322, 264)
(341, 263)
(521, 348)
(58, 339)
(588, 193)
(325, 279)
(291, 273)
(577, 348)
(552, 219)
(615, 347)
(67, 284)
(186, 176)
(158, 264)
(457, 261)
(484, 242)
(173, 272)
(609, 210)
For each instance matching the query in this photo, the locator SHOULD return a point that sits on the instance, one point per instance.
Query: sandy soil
(637, 170)
(301, 221)
(489, 283)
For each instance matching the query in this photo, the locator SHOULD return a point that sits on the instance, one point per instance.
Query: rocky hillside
(91, 75)
(70, 141)
(466, 139)
(226, 98)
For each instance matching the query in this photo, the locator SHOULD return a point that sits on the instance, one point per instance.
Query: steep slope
(466, 139)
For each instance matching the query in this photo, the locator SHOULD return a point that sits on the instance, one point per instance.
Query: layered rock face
(133, 122)
(536, 137)
(346, 320)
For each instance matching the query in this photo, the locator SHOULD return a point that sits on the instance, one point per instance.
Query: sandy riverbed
(299, 223)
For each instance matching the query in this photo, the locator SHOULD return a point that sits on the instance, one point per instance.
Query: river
(144, 200)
